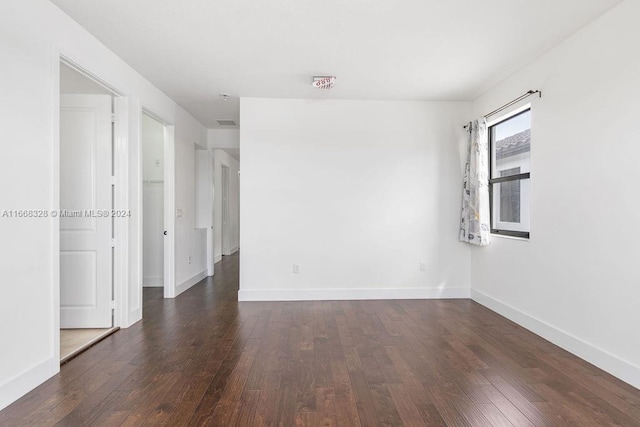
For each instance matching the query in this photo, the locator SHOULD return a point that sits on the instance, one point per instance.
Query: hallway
(204, 358)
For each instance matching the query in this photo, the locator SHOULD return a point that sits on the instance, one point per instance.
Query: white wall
(204, 188)
(191, 243)
(357, 193)
(153, 201)
(224, 138)
(576, 281)
(31, 35)
(222, 158)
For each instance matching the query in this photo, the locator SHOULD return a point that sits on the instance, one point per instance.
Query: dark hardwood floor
(205, 359)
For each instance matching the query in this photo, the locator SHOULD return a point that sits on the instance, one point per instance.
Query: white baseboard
(350, 294)
(153, 282)
(190, 282)
(217, 258)
(617, 367)
(23, 383)
(232, 251)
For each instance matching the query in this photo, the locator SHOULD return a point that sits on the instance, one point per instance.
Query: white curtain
(474, 223)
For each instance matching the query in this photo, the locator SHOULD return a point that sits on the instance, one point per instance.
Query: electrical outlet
(296, 268)
(423, 266)
(189, 260)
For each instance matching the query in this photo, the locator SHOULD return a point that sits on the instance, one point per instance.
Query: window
(509, 179)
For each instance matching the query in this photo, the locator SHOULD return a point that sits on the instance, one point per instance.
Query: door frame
(169, 244)
(120, 261)
(120, 200)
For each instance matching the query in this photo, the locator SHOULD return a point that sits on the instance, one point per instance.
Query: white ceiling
(378, 49)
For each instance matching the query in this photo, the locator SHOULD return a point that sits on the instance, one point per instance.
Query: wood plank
(493, 415)
(326, 406)
(345, 405)
(407, 410)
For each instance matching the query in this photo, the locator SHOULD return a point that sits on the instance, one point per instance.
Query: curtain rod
(510, 103)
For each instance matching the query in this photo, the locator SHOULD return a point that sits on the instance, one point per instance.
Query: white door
(85, 196)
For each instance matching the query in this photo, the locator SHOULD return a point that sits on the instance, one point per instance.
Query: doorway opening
(153, 193)
(157, 204)
(225, 210)
(86, 220)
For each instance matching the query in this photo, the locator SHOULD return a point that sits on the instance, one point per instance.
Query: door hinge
(113, 118)
(113, 243)
(113, 305)
(113, 180)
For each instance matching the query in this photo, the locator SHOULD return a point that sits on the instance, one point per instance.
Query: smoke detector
(323, 82)
(224, 96)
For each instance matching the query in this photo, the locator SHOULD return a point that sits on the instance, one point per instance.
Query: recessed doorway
(85, 217)
(153, 192)
(225, 211)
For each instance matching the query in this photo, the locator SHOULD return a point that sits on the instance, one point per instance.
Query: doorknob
(165, 232)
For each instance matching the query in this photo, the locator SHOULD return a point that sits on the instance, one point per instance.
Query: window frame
(518, 177)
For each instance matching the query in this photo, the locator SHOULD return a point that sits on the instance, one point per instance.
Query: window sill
(503, 236)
